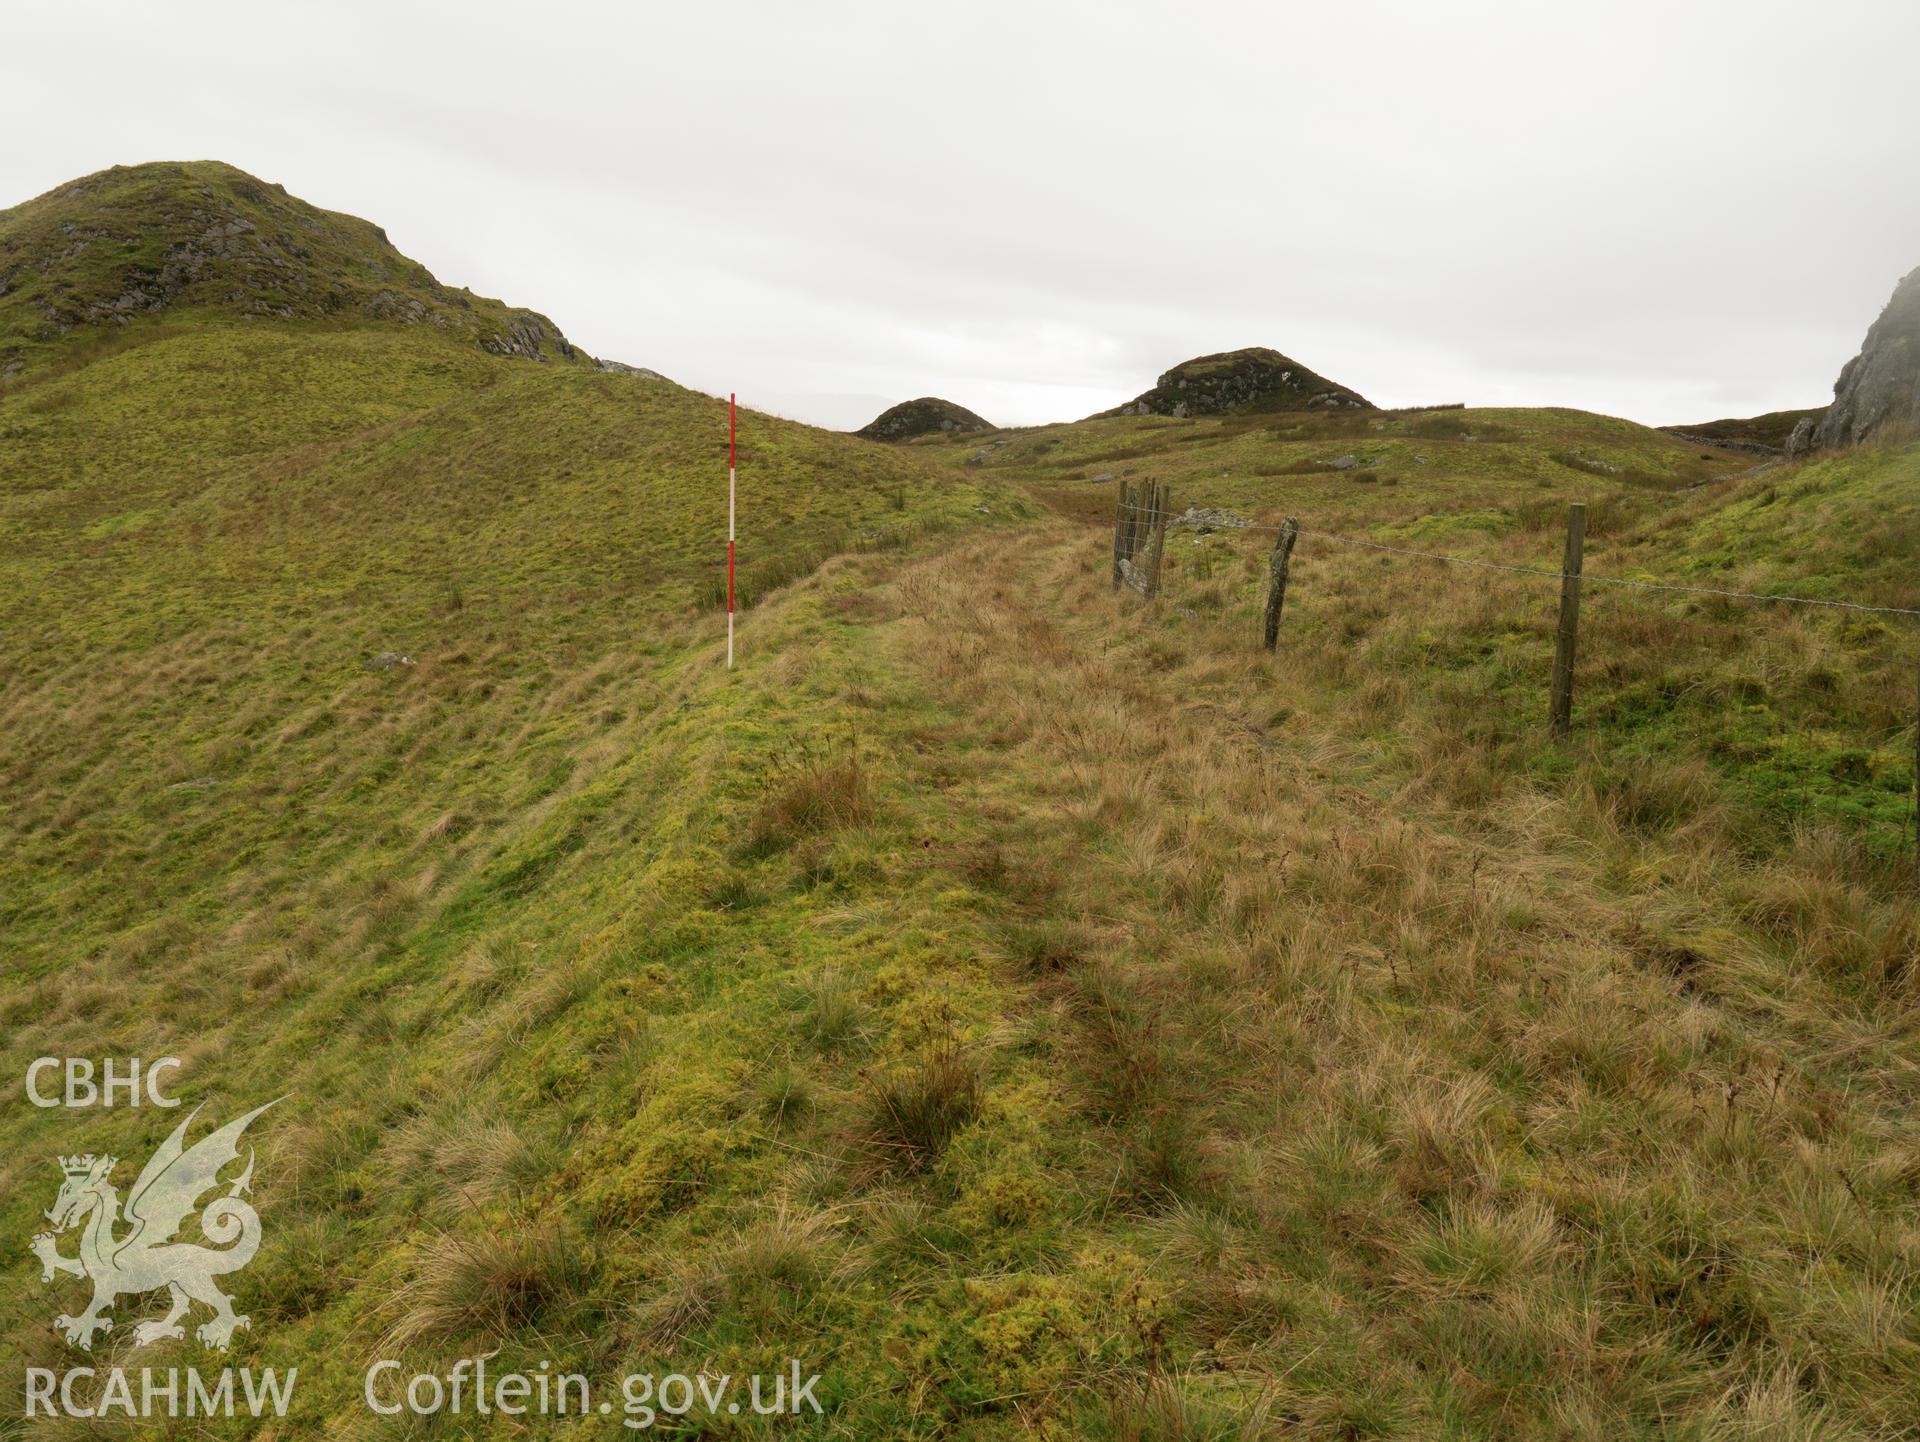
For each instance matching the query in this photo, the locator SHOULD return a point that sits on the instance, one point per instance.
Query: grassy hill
(203, 239)
(927, 416)
(1256, 379)
(1040, 1012)
(1768, 432)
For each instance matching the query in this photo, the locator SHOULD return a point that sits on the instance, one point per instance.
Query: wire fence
(1144, 514)
(1584, 576)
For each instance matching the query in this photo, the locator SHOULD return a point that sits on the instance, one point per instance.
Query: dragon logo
(145, 1258)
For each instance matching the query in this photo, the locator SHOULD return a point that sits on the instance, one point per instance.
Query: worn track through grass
(1526, 1117)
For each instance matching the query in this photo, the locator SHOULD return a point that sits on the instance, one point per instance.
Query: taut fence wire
(1144, 513)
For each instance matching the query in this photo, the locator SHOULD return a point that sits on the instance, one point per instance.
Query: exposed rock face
(1880, 387)
(927, 416)
(525, 334)
(1801, 441)
(1256, 379)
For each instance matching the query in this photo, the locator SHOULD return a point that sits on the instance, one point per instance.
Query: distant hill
(201, 238)
(1255, 379)
(1763, 434)
(924, 417)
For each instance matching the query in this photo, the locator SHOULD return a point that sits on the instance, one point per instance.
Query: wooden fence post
(1162, 504)
(1142, 539)
(1119, 532)
(1560, 710)
(1277, 565)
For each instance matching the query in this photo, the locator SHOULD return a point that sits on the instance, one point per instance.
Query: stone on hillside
(1209, 518)
(1801, 441)
(387, 661)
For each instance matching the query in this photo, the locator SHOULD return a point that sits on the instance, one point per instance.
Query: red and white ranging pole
(730, 489)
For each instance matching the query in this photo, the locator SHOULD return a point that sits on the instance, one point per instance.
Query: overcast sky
(1671, 211)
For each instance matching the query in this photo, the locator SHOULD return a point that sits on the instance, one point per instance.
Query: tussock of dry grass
(769, 1263)
(910, 1113)
(832, 1014)
(807, 792)
(1165, 1409)
(482, 1284)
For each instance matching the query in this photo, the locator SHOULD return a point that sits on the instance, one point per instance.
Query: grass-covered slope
(271, 508)
(1352, 462)
(1802, 713)
(1840, 525)
(1487, 1085)
(290, 601)
(260, 468)
(184, 240)
(1044, 1015)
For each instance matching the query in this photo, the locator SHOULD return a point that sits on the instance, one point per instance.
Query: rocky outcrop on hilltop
(621, 368)
(928, 416)
(202, 241)
(1880, 388)
(1255, 379)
